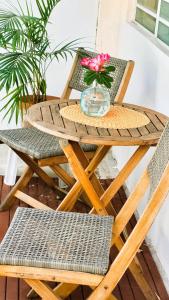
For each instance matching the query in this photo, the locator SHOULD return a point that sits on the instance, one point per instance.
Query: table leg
(80, 174)
(70, 199)
(120, 179)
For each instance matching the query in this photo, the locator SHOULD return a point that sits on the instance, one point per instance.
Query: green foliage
(102, 77)
(25, 53)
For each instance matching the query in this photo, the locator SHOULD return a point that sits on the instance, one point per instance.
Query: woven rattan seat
(49, 239)
(34, 142)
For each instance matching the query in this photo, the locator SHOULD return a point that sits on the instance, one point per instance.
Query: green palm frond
(28, 53)
(14, 107)
(17, 69)
(9, 20)
(17, 28)
(46, 7)
(13, 40)
(62, 51)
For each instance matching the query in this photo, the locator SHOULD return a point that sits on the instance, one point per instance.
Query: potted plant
(26, 53)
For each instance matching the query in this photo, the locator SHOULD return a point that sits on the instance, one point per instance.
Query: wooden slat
(92, 130)
(113, 132)
(143, 131)
(68, 124)
(162, 119)
(46, 114)
(134, 132)
(155, 121)
(151, 128)
(153, 271)
(56, 115)
(124, 133)
(103, 131)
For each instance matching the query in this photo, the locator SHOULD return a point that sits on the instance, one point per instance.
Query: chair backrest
(157, 177)
(121, 76)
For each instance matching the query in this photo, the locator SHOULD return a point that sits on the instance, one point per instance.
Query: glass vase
(95, 101)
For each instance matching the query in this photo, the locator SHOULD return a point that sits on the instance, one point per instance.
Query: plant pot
(30, 101)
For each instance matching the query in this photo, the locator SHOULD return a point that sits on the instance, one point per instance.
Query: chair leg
(42, 289)
(67, 179)
(63, 290)
(34, 166)
(63, 175)
(20, 185)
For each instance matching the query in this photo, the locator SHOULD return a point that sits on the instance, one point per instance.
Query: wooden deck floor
(127, 289)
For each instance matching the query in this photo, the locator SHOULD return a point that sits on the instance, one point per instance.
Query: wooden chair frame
(35, 166)
(78, 160)
(103, 286)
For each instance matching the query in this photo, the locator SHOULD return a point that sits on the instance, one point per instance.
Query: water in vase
(95, 101)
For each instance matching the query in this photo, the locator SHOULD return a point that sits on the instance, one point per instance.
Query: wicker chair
(38, 149)
(73, 248)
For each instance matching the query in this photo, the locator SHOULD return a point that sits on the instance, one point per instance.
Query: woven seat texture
(61, 240)
(159, 160)
(35, 142)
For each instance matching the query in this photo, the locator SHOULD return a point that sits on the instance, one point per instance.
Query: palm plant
(26, 53)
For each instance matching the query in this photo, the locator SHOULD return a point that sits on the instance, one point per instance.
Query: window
(154, 16)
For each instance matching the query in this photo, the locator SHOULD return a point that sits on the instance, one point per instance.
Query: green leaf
(64, 50)
(46, 7)
(110, 68)
(43, 87)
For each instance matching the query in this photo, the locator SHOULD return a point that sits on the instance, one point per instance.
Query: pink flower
(85, 61)
(97, 63)
(94, 64)
(105, 57)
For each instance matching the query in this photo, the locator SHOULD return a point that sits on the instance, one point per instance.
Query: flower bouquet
(97, 70)
(95, 101)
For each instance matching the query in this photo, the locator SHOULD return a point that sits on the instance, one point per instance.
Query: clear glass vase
(95, 101)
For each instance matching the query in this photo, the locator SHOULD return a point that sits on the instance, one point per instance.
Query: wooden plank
(134, 132)
(137, 293)
(92, 130)
(23, 290)
(151, 128)
(113, 132)
(46, 114)
(143, 130)
(124, 132)
(103, 131)
(155, 121)
(77, 294)
(125, 288)
(162, 119)
(69, 125)
(151, 266)
(57, 120)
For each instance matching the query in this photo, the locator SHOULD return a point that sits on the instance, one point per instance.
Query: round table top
(46, 117)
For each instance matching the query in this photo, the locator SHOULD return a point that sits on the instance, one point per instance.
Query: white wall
(149, 87)
(70, 20)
